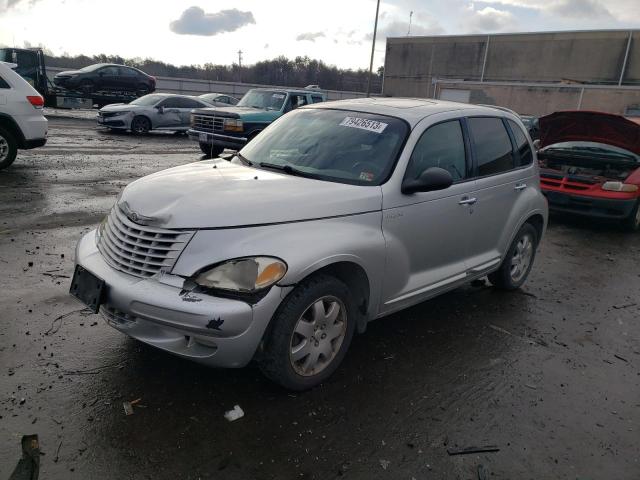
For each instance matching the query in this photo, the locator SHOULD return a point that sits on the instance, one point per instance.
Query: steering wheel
(363, 166)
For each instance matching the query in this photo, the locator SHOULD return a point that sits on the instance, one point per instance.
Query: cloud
(490, 19)
(577, 9)
(423, 25)
(7, 4)
(309, 36)
(194, 21)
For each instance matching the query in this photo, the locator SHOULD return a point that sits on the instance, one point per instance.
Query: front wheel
(310, 334)
(8, 148)
(515, 267)
(140, 125)
(632, 222)
(211, 151)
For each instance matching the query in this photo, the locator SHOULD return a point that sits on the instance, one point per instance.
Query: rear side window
(525, 156)
(440, 146)
(3, 83)
(493, 149)
(316, 98)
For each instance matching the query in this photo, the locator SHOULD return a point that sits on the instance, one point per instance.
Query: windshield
(147, 100)
(594, 147)
(91, 68)
(265, 100)
(341, 146)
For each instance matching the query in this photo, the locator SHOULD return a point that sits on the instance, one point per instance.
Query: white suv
(22, 124)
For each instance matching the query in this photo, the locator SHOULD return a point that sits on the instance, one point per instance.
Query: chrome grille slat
(139, 250)
(206, 123)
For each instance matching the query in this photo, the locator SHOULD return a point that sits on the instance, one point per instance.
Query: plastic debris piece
(468, 450)
(128, 406)
(384, 464)
(235, 414)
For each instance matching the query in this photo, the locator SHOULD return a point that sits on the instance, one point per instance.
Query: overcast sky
(336, 31)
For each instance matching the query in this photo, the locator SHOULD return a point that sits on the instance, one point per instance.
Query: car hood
(68, 73)
(245, 113)
(120, 107)
(219, 194)
(590, 127)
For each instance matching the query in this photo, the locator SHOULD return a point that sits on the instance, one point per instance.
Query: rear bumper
(612, 208)
(226, 141)
(211, 330)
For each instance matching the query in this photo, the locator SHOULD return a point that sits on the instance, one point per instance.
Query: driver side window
(440, 146)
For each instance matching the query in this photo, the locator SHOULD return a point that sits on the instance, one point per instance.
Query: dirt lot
(549, 374)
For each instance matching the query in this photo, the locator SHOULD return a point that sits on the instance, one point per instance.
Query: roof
(288, 90)
(410, 109)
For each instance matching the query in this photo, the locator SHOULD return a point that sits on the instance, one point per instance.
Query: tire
(632, 222)
(140, 125)
(515, 267)
(299, 351)
(211, 151)
(8, 148)
(86, 86)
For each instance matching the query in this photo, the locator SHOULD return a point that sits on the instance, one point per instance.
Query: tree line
(299, 72)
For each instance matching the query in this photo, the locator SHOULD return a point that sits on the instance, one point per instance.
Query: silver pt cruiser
(337, 214)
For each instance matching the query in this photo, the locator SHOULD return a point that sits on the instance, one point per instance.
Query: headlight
(243, 274)
(192, 120)
(122, 113)
(233, 125)
(619, 187)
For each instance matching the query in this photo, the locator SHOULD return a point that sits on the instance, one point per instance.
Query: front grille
(107, 114)
(207, 123)
(137, 249)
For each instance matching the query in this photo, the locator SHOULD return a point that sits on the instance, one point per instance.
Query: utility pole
(240, 58)
(373, 49)
(410, 18)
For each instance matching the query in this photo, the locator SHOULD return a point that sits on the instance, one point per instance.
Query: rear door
(504, 174)
(428, 233)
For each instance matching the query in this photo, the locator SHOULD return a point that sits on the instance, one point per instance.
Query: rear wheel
(8, 148)
(515, 267)
(632, 222)
(211, 151)
(140, 125)
(310, 334)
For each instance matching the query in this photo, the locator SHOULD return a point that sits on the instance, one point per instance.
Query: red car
(590, 165)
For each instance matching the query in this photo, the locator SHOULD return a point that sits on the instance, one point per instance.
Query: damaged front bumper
(612, 208)
(158, 311)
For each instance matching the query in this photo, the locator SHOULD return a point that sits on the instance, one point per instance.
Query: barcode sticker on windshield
(364, 124)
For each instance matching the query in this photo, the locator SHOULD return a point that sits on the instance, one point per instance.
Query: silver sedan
(157, 111)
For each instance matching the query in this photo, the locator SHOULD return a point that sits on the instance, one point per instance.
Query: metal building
(532, 73)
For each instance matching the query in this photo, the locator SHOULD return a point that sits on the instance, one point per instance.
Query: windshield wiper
(288, 169)
(244, 159)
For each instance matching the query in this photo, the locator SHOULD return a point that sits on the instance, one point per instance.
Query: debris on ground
(626, 305)
(128, 406)
(235, 414)
(469, 450)
(621, 358)
(384, 464)
(28, 467)
(483, 473)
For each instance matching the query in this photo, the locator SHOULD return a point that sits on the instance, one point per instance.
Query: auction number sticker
(364, 124)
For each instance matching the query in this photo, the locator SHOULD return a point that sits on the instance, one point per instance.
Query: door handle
(467, 201)
(520, 186)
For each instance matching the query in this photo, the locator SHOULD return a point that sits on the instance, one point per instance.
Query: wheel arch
(10, 124)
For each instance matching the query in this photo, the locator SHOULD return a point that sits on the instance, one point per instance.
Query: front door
(427, 234)
(170, 116)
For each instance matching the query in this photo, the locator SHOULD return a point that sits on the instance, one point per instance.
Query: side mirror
(160, 109)
(434, 178)
(536, 144)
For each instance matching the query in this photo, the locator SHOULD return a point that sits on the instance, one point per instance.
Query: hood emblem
(136, 217)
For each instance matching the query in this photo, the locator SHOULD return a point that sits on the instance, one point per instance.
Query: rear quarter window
(525, 155)
(3, 83)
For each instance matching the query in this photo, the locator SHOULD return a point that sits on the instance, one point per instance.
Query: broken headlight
(248, 274)
(619, 187)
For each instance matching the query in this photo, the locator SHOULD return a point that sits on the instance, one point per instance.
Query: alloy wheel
(4, 148)
(318, 336)
(521, 258)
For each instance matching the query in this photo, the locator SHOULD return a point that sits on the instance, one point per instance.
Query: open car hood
(582, 126)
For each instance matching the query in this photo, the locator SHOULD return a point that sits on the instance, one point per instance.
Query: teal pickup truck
(233, 127)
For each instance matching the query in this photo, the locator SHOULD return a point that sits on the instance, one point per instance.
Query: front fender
(305, 246)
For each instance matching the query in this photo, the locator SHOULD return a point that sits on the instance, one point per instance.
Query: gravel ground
(549, 374)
